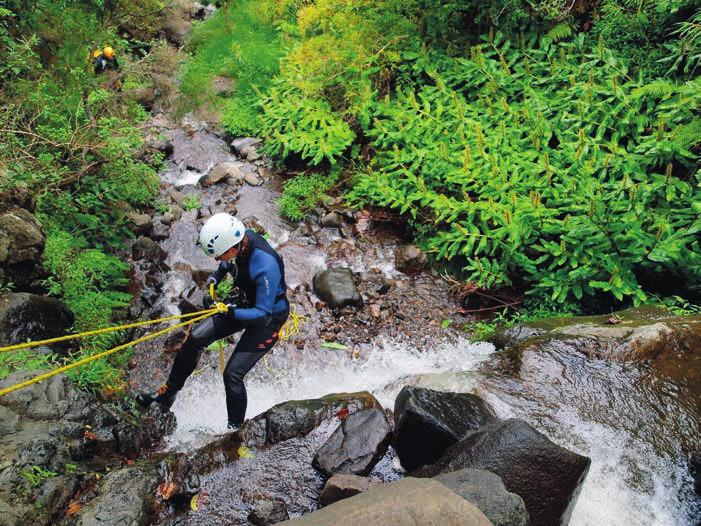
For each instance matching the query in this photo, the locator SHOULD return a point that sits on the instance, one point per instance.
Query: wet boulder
(410, 260)
(21, 245)
(225, 170)
(26, 316)
(336, 287)
(332, 220)
(409, 502)
(356, 445)
(147, 249)
(268, 512)
(132, 440)
(299, 417)
(487, 491)
(546, 476)
(428, 421)
(139, 223)
(125, 496)
(343, 486)
(695, 462)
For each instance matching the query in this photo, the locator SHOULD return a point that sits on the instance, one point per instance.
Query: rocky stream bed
(575, 420)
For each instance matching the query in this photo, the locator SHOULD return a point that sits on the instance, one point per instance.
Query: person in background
(260, 311)
(104, 60)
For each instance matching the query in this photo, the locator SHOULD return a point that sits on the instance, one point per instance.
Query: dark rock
(26, 316)
(406, 502)
(486, 491)
(126, 496)
(343, 486)
(428, 421)
(410, 260)
(268, 512)
(132, 441)
(513, 336)
(139, 223)
(695, 462)
(546, 476)
(299, 417)
(21, 245)
(147, 249)
(336, 287)
(356, 445)
(332, 220)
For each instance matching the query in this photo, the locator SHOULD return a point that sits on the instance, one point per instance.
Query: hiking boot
(163, 396)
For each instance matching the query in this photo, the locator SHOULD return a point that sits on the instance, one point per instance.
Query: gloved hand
(207, 302)
(211, 280)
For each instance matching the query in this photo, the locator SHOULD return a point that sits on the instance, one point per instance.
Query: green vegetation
(304, 192)
(68, 139)
(239, 44)
(191, 202)
(37, 475)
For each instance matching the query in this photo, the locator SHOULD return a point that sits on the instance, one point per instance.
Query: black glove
(211, 280)
(207, 302)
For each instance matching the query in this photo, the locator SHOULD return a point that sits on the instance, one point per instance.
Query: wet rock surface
(336, 287)
(546, 476)
(356, 445)
(24, 316)
(53, 441)
(268, 512)
(21, 247)
(410, 260)
(428, 421)
(487, 491)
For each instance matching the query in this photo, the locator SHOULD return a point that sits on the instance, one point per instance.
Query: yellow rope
(222, 356)
(291, 326)
(218, 308)
(105, 330)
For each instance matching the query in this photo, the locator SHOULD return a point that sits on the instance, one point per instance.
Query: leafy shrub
(293, 123)
(304, 192)
(550, 167)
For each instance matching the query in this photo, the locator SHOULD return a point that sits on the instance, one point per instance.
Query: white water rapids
(625, 485)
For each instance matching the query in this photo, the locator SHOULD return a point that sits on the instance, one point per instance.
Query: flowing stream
(633, 428)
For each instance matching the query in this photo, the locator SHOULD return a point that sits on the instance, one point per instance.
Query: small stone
(268, 512)
(332, 220)
(132, 363)
(342, 486)
(375, 310)
(253, 179)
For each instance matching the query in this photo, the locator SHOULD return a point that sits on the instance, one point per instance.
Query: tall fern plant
(547, 166)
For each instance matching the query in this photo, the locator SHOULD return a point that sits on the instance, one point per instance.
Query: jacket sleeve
(222, 269)
(266, 275)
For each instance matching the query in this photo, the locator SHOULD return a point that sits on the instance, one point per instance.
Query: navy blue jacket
(260, 275)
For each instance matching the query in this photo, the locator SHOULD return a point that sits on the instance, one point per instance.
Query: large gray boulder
(487, 491)
(428, 421)
(26, 316)
(21, 245)
(336, 287)
(409, 502)
(297, 418)
(357, 444)
(546, 476)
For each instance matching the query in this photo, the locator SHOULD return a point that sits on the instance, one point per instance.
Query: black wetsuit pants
(254, 343)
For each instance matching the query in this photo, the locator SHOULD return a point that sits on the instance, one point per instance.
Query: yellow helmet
(108, 52)
(96, 53)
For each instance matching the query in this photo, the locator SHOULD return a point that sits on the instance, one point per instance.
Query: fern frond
(658, 88)
(558, 32)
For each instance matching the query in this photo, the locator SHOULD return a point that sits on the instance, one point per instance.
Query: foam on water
(201, 407)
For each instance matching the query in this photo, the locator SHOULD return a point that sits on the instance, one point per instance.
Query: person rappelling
(260, 311)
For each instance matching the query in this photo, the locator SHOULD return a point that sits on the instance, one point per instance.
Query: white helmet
(219, 233)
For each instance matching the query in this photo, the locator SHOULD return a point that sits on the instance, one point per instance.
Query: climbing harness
(218, 308)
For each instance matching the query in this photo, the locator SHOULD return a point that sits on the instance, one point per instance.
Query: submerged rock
(546, 476)
(428, 421)
(336, 287)
(356, 445)
(409, 502)
(487, 491)
(268, 512)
